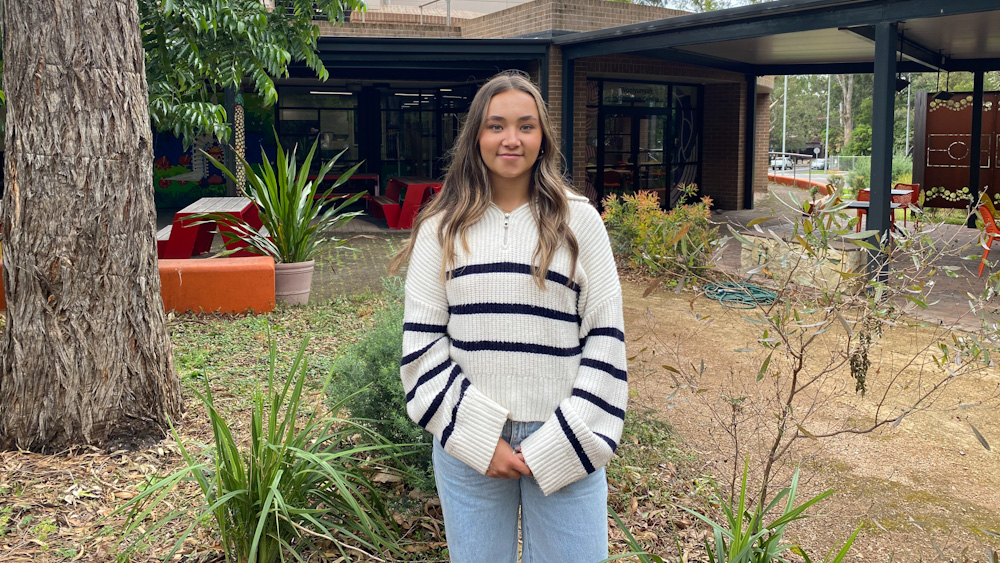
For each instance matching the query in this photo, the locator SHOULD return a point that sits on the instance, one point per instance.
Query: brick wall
(564, 15)
(761, 142)
(722, 168)
(354, 29)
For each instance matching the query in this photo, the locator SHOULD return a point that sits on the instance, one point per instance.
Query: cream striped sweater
(489, 345)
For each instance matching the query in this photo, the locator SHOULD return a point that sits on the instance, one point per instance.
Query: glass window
(635, 94)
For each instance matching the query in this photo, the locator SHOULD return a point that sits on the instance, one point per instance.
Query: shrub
(902, 168)
(372, 365)
(860, 174)
(658, 241)
(303, 477)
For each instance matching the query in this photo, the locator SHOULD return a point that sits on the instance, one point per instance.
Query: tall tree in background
(846, 82)
(85, 354)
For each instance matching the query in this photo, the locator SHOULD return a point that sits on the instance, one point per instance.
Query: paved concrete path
(949, 300)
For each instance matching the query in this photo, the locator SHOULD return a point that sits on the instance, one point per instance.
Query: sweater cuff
(551, 458)
(477, 431)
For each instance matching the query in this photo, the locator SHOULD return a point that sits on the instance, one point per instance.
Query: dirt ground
(922, 490)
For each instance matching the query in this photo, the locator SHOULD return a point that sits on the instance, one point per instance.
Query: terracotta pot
(292, 282)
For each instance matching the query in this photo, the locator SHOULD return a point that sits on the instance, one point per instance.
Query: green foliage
(836, 181)
(744, 538)
(297, 226)
(372, 365)
(301, 480)
(196, 48)
(902, 168)
(861, 141)
(860, 174)
(658, 241)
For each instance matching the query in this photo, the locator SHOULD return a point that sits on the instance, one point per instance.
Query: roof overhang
(811, 36)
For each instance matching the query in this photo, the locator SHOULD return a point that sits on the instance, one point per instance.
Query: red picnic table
(419, 191)
(191, 234)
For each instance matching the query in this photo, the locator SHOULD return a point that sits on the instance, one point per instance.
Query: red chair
(905, 201)
(612, 180)
(863, 195)
(991, 233)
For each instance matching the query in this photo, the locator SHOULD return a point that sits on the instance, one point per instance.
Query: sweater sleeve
(582, 434)
(438, 396)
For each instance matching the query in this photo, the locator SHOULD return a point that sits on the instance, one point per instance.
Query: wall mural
(942, 154)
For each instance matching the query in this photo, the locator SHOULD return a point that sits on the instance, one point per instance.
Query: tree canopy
(197, 48)
(806, 111)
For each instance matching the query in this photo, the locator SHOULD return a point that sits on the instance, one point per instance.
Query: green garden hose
(740, 295)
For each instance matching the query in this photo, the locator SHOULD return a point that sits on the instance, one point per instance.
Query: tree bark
(846, 82)
(86, 358)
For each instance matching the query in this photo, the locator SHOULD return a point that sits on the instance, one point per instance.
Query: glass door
(633, 155)
(650, 167)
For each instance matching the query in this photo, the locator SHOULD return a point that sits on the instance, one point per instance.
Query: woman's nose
(510, 138)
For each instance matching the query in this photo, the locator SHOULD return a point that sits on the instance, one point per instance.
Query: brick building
(401, 81)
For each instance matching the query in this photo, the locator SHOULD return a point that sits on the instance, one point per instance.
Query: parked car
(818, 164)
(782, 162)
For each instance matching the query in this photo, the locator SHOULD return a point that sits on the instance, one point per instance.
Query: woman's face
(511, 137)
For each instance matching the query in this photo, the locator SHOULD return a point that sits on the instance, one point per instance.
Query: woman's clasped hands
(507, 463)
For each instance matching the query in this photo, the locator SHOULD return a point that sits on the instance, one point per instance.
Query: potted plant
(296, 228)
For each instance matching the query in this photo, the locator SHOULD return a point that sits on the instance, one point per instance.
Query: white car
(818, 164)
(782, 162)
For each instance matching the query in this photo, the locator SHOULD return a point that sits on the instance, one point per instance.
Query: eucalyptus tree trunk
(846, 82)
(86, 358)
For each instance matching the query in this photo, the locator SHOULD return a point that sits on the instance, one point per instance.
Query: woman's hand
(506, 463)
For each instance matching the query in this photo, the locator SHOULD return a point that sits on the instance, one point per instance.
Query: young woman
(513, 342)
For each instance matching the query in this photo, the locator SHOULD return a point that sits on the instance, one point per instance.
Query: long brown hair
(466, 193)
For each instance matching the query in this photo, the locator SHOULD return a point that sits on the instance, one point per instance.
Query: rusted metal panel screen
(943, 149)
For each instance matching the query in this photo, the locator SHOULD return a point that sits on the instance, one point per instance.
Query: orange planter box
(224, 285)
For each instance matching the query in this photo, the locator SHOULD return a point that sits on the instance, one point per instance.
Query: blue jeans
(481, 513)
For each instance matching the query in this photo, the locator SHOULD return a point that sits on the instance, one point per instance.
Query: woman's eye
(495, 127)
(527, 127)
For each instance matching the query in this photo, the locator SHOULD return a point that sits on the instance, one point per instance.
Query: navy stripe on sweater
(436, 403)
(497, 346)
(413, 356)
(419, 327)
(512, 309)
(587, 465)
(610, 442)
(454, 413)
(606, 331)
(605, 367)
(427, 377)
(510, 268)
(606, 406)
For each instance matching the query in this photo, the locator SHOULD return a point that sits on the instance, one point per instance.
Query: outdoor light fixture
(901, 83)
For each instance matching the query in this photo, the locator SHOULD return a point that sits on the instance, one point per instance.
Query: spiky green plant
(301, 481)
(296, 228)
